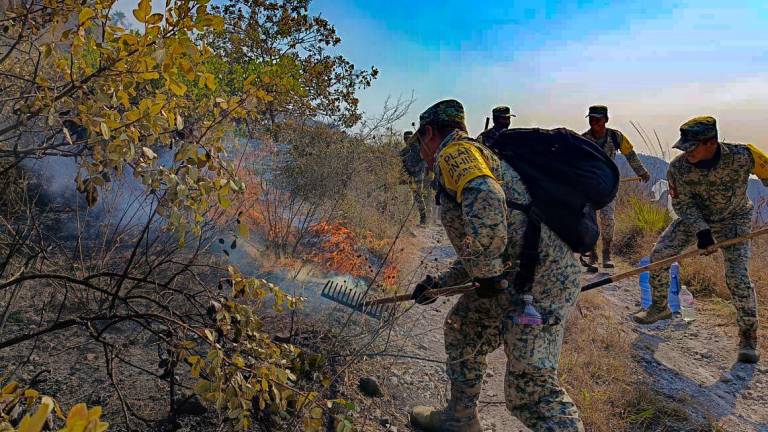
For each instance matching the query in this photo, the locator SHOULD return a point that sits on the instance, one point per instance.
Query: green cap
(598, 111)
(445, 111)
(502, 111)
(694, 131)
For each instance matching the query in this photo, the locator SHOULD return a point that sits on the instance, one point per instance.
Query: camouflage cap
(502, 111)
(694, 131)
(598, 111)
(445, 111)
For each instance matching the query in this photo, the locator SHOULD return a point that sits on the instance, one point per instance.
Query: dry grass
(599, 371)
(639, 222)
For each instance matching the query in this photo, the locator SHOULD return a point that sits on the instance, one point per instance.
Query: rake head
(353, 299)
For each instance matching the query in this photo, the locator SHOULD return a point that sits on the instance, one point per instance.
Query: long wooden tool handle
(630, 179)
(670, 260)
(437, 292)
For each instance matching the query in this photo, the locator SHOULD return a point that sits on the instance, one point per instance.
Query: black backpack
(568, 177)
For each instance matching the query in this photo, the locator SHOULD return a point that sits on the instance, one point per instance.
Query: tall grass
(639, 221)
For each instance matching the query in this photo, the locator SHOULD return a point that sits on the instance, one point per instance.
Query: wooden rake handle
(461, 289)
(630, 179)
(668, 261)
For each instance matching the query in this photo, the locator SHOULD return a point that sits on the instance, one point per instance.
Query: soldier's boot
(447, 419)
(589, 260)
(422, 218)
(607, 262)
(653, 314)
(748, 352)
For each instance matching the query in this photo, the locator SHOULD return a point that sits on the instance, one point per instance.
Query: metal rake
(352, 298)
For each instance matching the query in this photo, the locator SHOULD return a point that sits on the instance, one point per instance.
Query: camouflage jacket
(704, 196)
(615, 140)
(412, 163)
(488, 136)
(474, 186)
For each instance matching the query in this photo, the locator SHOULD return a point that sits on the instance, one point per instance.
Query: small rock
(370, 387)
(726, 377)
(190, 406)
(385, 422)
(392, 381)
(706, 355)
(489, 374)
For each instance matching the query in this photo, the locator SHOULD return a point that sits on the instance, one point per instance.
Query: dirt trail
(690, 364)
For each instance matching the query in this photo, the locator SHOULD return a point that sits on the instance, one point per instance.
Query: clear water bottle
(687, 305)
(645, 285)
(530, 315)
(674, 288)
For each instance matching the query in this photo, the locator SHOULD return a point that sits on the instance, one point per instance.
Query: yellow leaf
(10, 387)
(133, 115)
(242, 230)
(142, 12)
(36, 421)
(179, 122)
(150, 75)
(85, 15)
(104, 130)
(123, 98)
(30, 393)
(155, 19)
(210, 82)
(148, 153)
(176, 87)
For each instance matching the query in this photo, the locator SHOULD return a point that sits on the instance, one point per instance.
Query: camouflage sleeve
(684, 204)
(484, 211)
(626, 148)
(480, 138)
(456, 274)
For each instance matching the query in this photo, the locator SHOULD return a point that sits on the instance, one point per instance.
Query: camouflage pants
(419, 191)
(679, 235)
(607, 224)
(475, 327)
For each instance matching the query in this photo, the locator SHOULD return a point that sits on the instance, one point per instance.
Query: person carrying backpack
(611, 141)
(475, 186)
(416, 170)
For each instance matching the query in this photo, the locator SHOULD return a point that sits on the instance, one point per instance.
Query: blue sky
(655, 62)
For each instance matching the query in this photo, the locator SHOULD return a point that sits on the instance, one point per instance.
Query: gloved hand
(645, 177)
(428, 283)
(704, 239)
(490, 287)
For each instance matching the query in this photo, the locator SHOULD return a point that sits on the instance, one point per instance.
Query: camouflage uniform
(487, 239)
(489, 136)
(418, 178)
(714, 198)
(611, 142)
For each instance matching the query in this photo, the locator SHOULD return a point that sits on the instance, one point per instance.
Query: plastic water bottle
(530, 315)
(645, 285)
(674, 288)
(687, 305)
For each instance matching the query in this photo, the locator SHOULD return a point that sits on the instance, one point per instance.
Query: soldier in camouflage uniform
(502, 118)
(611, 141)
(416, 169)
(487, 237)
(708, 186)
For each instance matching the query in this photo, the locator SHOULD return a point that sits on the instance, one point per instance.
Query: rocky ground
(691, 364)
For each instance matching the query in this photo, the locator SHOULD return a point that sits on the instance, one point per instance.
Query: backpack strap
(529, 252)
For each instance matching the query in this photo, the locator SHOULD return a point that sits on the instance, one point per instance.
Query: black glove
(490, 287)
(704, 239)
(428, 283)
